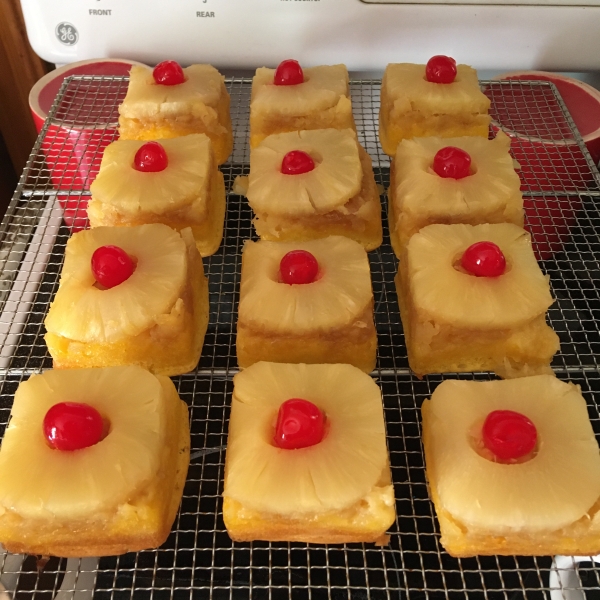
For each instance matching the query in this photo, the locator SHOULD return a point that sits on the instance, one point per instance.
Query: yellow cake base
(216, 124)
(392, 132)
(159, 350)
(268, 123)
(397, 247)
(362, 223)
(144, 522)
(208, 233)
(355, 344)
(582, 538)
(435, 348)
(366, 521)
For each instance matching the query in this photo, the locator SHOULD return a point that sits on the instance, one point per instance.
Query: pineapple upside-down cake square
(169, 101)
(473, 298)
(130, 295)
(513, 467)
(310, 184)
(291, 98)
(174, 181)
(452, 180)
(417, 102)
(306, 456)
(306, 302)
(93, 462)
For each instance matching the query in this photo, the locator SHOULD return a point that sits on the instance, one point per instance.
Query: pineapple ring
(322, 88)
(85, 313)
(336, 178)
(557, 487)
(37, 481)
(406, 83)
(331, 475)
(179, 185)
(146, 100)
(488, 188)
(457, 298)
(341, 293)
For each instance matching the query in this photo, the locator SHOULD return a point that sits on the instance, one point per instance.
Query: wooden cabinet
(20, 68)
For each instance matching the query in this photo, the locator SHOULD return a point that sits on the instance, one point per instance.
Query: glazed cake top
(146, 99)
(40, 482)
(322, 89)
(554, 488)
(406, 87)
(493, 184)
(334, 474)
(340, 295)
(443, 293)
(336, 178)
(84, 312)
(184, 181)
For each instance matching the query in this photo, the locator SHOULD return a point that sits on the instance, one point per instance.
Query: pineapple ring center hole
(317, 158)
(472, 171)
(276, 277)
(106, 428)
(475, 439)
(457, 265)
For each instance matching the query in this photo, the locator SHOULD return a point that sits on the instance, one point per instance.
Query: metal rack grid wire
(561, 188)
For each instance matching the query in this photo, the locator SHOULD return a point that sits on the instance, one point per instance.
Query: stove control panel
(364, 34)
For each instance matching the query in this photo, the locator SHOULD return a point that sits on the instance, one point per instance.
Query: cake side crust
(366, 521)
(355, 344)
(337, 117)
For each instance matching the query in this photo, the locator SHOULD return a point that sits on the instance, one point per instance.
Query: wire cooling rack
(561, 188)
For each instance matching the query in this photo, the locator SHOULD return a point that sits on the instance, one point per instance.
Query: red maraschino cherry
(168, 72)
(300, 424)
(440, 69)
(452, 162)
(298, 267)
(297, 162)
(509, 435)
(483, 259)
(111, 266)
(289, 72)
(150, 158)
(72, 426)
